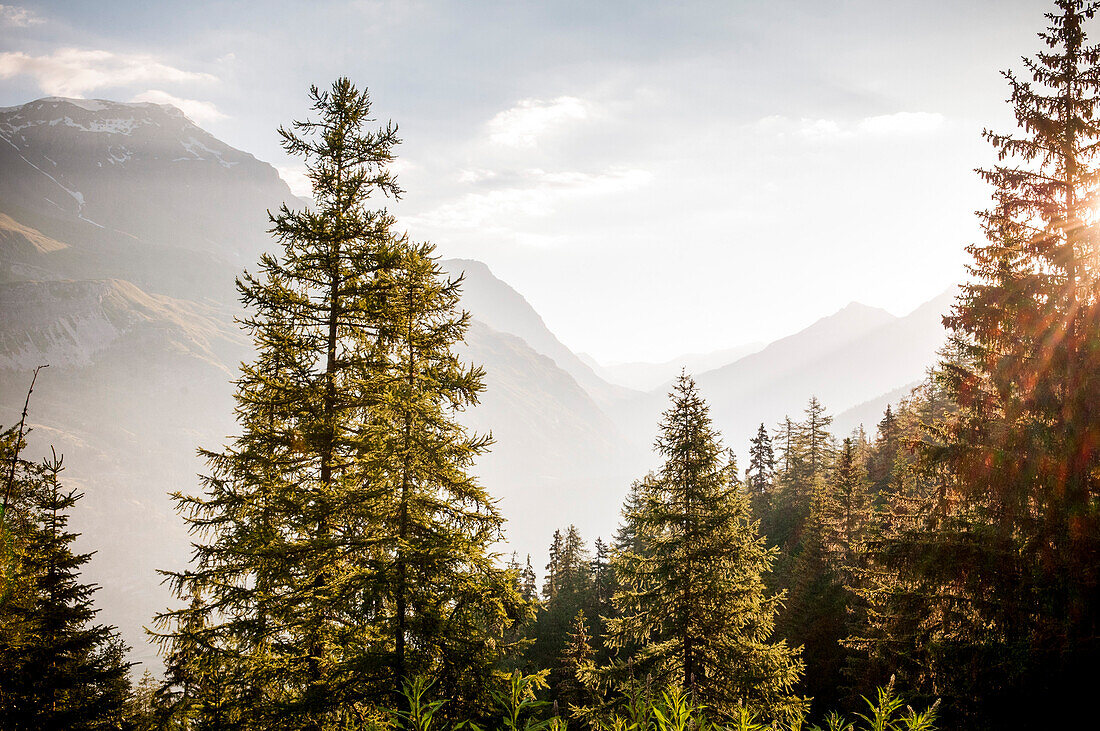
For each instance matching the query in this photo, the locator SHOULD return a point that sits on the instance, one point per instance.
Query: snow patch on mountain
(195, 148)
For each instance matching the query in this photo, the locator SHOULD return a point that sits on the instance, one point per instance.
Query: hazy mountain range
(122, 227)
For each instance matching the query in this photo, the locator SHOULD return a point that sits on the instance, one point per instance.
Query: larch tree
(340, 543)
(694, 606)
(447, 603)
(283, 548)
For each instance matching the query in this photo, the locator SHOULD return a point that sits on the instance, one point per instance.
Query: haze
(655, 179)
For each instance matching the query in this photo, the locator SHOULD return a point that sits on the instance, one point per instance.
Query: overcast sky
(655, 177)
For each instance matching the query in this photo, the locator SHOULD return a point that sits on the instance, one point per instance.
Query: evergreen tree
(58, 670)
(628, 538)
(574, 666)
(280, 527)
(599, 605)
(435, 523)
(341, 545)
(915, 622)
(552, 580)
(695, 603)
(884, 452)
(761, 471)
(846, 512)
(601, 572)
(1011, 552)
(808, 452)
(816, 616)
(529, 583)
(200, 690)
(815, 443)
(785, 436)
(569, 589)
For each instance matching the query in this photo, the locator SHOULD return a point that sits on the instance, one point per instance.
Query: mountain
(504, 309)
(557, 458)
(645, 376)
(136, 383)
(869, 413)
(122, 227)
(149, 196)
(845, 359)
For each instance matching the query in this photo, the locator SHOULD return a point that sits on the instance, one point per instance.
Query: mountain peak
(858, 308)
(94, 106)
(107, 164)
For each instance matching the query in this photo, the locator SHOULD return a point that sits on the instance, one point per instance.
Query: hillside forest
(937, 569)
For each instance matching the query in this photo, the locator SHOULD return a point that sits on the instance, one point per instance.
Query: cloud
(523, 125)
(900, 124)
(534, 193)
(74, 72)
(18, 16)
(198, 111)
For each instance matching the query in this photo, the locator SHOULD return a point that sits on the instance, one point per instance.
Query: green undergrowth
(671, 709)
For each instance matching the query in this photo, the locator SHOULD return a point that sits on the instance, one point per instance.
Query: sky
(655, 177)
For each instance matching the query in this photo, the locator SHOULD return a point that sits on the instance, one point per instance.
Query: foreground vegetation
(343, 576)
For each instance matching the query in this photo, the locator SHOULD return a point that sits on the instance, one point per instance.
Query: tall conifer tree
(1024, 447)
(58, 669)
(695, 604)
(341, 544)
(761, 472)
(435, 522)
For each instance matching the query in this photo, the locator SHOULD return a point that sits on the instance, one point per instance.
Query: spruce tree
(569, 589)
(761, 472)
(846, 512)
(884, 451)
(917, 623)
(1017, 548)
(694, 605)
(58, 670)
(529, 583)
(785, 435)
(815, 443)
(574, 666)
(815, 616)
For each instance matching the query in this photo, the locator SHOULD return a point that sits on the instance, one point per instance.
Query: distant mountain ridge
(853, 356)
(646, 376)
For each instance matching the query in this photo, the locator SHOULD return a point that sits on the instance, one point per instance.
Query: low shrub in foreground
(518, 709)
